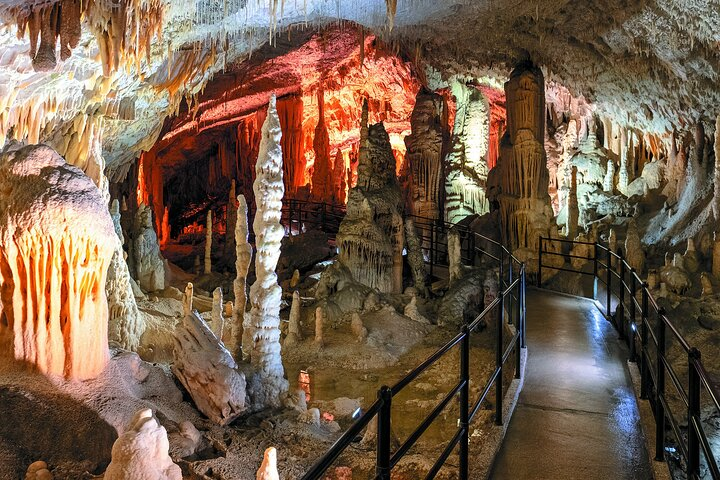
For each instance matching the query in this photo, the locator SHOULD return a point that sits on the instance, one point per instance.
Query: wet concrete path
(576, 417)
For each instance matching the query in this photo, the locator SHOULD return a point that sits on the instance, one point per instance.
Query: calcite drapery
(265, 294)
(467, 169)
(522, 175)
(371, 236)
(56, 242)
(424, 153)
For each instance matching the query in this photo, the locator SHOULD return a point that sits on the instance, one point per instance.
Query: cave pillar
(623, 177)
(322, 175)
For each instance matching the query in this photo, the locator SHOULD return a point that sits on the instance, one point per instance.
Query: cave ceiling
(651, 64)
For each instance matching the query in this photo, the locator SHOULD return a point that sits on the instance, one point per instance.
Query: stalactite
(56, 242)
(243, 256)
(265, 293)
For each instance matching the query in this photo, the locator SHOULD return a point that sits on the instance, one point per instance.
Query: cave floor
(576, 416)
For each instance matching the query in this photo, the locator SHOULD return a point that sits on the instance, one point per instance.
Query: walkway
(576, 417)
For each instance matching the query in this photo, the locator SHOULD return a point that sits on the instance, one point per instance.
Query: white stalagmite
(142, 452)
(218, 322)
(319, 323)
(243, 256)
(125, 324)
(188, 299)
(609, 180)
(269, 382)
(623, 176)
(268, 469)
(208, 242)
(294, 334)
(56, 242)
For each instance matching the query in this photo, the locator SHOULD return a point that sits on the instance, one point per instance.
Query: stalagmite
(454, 257)
(243, 256)
(265, 294)
(424, 153)
(218, 322)
(142, 452)
(623, 176)
(294, 334)
(466, 164)
(149, 265)
(415, 257)
(188, 300)
(716, 193)
(691, 258)
(520, 180)
(125, 324)
(208, 243)
(56, 242)
(370, 238)
(573, 210)
(322, 175)
(268, 468)
(165, 228)
(613, 246)
(634, 253)
(411, 311)
(319, 322)
(609, 180)
(207, 371)
(706, 282)
(359, 330)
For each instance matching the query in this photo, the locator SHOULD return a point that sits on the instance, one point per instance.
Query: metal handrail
(653, 376)
(511, 289)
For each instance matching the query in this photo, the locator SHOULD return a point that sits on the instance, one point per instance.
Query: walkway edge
(660, 470)
(484, 458)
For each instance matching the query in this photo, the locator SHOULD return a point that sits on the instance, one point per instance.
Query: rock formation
(141, 453)
(265, 294)
(208, 243)
(322, 178)
(357, 327)
(268, 468)
(218, 322)
(294, 334)
(38, 471)
(370, 238)
(455, 268)
(243, 256)
(571, 228)
(716, 183)
(467, 169)
(125, 324)
(231, 220)
(521, 177)
(424, 153)
(56, 243)
(188, 300)
(634, 253)
(415, 257)
(706, 282)
(148, 263)
(691, 259)
(208, 371)
(319, 324)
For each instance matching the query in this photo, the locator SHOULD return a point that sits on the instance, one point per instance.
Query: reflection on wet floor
(577, 416)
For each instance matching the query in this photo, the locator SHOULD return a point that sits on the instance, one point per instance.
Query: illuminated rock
(208, 371)
(38, 471)
(294, 334)
(263, 330)
(243, 256)
(467, 168)
(268, 468)
(188, 300)
(415, 257)
(56, 243)
(634, 252)
(141, 452)
(320, 318)
(357, 327)
(706, 282)
(371, 236)
(218, 322)
(125, 324)
(148, 263)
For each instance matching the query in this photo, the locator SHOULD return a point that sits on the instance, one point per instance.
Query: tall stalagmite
(243, 256)
(268, 383)
(522, 176)
(56, 242)
(424, 153)
(371, 235)
(467, 169)
(322, 181)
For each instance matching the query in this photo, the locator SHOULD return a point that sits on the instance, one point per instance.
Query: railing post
(595, 271)
(633, 326)
(608, 285)
(644, 370)
(693, 461)
(660, 390)
(540, 252)
(523, 317)
(382, 464)
(432, 250)
(498, 359)
(518, 327)
(465, 402)
(510, 280)
(620, 312)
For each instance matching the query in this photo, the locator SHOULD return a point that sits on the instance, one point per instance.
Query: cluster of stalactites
(123, 29)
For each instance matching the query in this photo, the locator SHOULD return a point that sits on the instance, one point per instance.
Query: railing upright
(499, 350)
(644, 367)
(465, 403)
(633, 292)
(620, 312)
(608, 285)
(660, 389)
(693, 417)
(540, 262)
(524, 311)
(518, 326)
(382, 465)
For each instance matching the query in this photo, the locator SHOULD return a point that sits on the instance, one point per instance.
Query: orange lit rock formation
(56, 242)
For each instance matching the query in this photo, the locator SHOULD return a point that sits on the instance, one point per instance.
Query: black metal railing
(636, 307)
(509, 303)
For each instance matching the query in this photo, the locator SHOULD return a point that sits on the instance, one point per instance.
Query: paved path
(576, 417)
